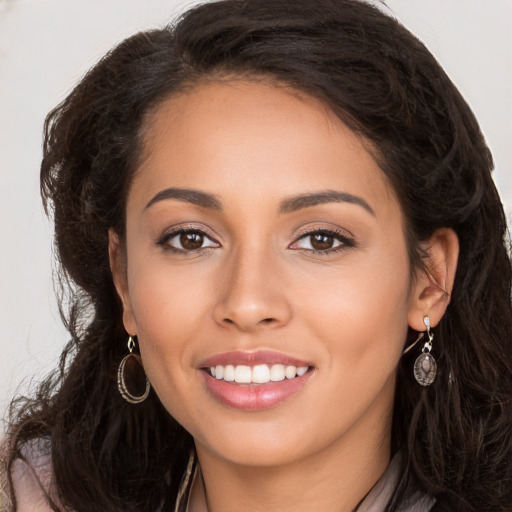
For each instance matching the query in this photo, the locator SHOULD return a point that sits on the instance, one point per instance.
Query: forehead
(266, 136)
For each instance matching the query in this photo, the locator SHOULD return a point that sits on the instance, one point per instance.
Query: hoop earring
(134, 363)
(425, 366)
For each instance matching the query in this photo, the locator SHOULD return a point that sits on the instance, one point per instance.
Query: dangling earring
(134, 363)
(425, 367)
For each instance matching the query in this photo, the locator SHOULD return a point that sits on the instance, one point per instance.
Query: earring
(425, 367)
(130, 374)
(413, 344)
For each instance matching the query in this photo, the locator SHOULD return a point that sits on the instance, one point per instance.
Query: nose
(253, 293)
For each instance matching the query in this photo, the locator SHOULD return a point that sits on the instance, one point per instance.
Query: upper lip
(252, 358)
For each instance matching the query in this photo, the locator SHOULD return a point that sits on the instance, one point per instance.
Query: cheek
(166, 298)
(362, 312)
(168, 313)
(362, 326)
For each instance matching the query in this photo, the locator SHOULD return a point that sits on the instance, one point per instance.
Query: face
(265, 245)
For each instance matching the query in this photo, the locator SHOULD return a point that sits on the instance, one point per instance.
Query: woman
(287, 209)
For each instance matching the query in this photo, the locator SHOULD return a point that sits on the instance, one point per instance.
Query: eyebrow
(328, 196)
(196, 197)
(292, 204)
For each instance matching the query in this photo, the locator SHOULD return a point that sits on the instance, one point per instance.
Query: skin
(257, 283)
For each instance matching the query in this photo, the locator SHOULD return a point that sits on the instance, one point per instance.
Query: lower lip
(254, 397)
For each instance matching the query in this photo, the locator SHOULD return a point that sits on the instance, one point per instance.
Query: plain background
(47, 45)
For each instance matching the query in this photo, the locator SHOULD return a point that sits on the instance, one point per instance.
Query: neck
(333, 480)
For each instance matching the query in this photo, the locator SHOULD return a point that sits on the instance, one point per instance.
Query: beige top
(31, 478)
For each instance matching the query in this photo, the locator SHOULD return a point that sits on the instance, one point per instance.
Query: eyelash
(345, 241)
(163, 241)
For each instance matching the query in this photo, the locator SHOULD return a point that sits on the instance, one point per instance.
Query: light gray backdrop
(46, 46)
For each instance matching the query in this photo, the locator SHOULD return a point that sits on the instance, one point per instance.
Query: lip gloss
(252, 396)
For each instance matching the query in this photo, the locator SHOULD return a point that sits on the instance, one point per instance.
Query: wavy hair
(456, 435)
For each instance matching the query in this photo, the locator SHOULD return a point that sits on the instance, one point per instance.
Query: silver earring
(425, 367)
(130, 374)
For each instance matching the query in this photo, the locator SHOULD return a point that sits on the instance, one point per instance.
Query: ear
(118, 267)
(433, 284)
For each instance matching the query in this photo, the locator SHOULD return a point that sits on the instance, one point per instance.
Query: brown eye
(187, 240)
(191, 241)
(321, 241)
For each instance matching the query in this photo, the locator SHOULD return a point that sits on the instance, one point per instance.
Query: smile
(259, 374)
(254, 381)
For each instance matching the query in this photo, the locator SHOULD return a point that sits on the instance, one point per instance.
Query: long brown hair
(456, 435)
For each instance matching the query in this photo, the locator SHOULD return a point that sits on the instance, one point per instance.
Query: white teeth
(290, 372)
(243, 374)
(277, 372)
(229, 373)
(301, 371)
(259, 374)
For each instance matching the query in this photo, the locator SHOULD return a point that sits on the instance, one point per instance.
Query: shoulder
(32, 478)
(381, 493)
